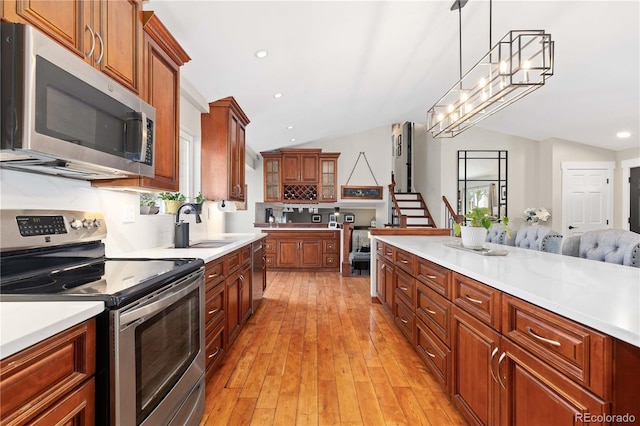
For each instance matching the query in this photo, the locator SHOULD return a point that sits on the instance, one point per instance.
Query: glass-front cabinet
(272, 178)
(328, 177)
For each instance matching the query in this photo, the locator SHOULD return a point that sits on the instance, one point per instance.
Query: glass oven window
(165, 347)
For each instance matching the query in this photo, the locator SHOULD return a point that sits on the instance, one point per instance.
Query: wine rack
(300, 193)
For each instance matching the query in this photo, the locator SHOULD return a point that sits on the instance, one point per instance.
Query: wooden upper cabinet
(300, 167)
(162, 58)
(272, 177)
(328, 191)
(106, 33)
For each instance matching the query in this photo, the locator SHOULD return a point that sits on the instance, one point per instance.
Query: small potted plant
(172, 201)
(475, 231)
(200, 199)
(148, 203)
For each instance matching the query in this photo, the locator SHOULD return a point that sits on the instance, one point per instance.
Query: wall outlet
(128, 213)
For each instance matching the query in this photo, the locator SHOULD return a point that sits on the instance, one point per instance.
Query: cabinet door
(287, 253)
(310, 254)
(381, 265)
(328, 178)
(120, 32)
(389, 284)
(300, 168)
(291, 168)
(309, 168)
(163, 93)
(474, 390)
(272, 173)
(233, 307)
(237, 181)
(60, 20)
(534, 393)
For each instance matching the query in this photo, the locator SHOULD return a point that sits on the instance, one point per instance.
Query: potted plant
(475, 232)
(172, 201)
(200, 199)
(148, 203)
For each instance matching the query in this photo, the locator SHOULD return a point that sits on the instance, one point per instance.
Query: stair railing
(450, 215)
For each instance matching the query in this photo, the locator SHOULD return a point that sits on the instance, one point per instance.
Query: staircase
(410, 210)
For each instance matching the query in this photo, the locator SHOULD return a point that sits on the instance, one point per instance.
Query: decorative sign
(362, 192)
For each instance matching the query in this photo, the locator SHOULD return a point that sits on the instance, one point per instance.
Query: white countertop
(23, 324)
(600, 295)
(206, 254)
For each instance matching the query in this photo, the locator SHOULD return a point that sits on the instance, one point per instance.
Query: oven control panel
(21, 229)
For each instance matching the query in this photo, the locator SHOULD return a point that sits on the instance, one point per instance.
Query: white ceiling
(349, 66)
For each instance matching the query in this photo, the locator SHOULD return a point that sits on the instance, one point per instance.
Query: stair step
(409, 204)
(417, 220)
(413, 211)
(407, 196)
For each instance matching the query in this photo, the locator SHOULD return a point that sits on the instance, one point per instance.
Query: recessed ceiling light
(261, 54)
(278, 95)
(292, 139)
(290, 126)
(623, 135)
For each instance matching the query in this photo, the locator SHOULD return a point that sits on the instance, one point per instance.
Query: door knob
(572, 227)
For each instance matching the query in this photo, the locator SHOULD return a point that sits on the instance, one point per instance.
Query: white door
(587, 197)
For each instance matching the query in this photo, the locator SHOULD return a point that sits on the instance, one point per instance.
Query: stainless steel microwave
(61, 116)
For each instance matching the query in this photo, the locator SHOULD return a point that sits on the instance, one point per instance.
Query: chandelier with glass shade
(515, 66)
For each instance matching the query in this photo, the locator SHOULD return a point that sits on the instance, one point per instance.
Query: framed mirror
(482, 181)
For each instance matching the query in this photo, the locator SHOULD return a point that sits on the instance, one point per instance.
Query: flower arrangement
(536, 214)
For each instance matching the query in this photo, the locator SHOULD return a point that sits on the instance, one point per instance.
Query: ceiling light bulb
(450, 108)
(290, 127)
(464, 97)
(440, 117)
(454, 116)
(623, 134)
(484, 96)
(482, 82)
(261, 54)
(503, 67)
(278, 95)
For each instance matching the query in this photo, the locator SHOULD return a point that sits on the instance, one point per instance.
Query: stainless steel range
(150, 343)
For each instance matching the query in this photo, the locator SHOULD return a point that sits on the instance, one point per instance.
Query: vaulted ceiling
(343, 67)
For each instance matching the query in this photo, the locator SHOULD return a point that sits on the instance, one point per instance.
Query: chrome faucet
(181, 235)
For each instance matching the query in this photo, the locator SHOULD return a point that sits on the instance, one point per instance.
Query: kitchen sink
(212, 243)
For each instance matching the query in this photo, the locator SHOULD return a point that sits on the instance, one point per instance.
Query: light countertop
(600, 295)
(23, 324)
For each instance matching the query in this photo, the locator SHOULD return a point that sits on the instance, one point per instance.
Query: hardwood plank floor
(318, 352)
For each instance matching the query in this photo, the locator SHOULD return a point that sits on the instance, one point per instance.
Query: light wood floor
(318, 352)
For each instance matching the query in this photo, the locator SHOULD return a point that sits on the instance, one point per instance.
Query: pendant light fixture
(514, 67)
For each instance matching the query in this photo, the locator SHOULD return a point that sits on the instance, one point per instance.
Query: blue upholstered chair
(539, 237)
(606, 245)
(498, 235)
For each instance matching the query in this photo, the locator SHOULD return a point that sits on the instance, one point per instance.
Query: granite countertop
(600, 295)
(23, 324)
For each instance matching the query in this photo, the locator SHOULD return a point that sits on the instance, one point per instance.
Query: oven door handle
(172, 295)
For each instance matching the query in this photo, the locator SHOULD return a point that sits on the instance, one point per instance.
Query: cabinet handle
(429, 353)
(431, 277)
(404, 321)
(212, 275)
(542, 339)
(502, 357)
(388, 253)
(383, 266)
(213, 311)
(93, 42)
(493, 354)
(430, 311)
(242, 278)
(404, 288)
(101, 48)
(471, 299)
(404, 261)
(215, 353)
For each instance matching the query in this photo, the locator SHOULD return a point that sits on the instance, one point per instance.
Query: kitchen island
(518, 329)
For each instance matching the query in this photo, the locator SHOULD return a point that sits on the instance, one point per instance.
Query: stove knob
(97, 223)
(87, 223)
(76, 223)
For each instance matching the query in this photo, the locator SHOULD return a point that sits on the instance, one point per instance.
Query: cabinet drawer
(576, 351)
(405, 288)
(231, 262)
(270, 246)
(330, 246)
(214, 307)
(435, 354)
(380, 248)
(330, 261)
(406, 261)
(270, 261)
(387, 252)
(434, 310)
(213, 274)
(245, 254)
(214, 343)
(34, 378)
(404, 319)
(435, 276)
(478, 299)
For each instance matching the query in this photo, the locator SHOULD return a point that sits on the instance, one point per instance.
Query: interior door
(634, 200)
(586, 197)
